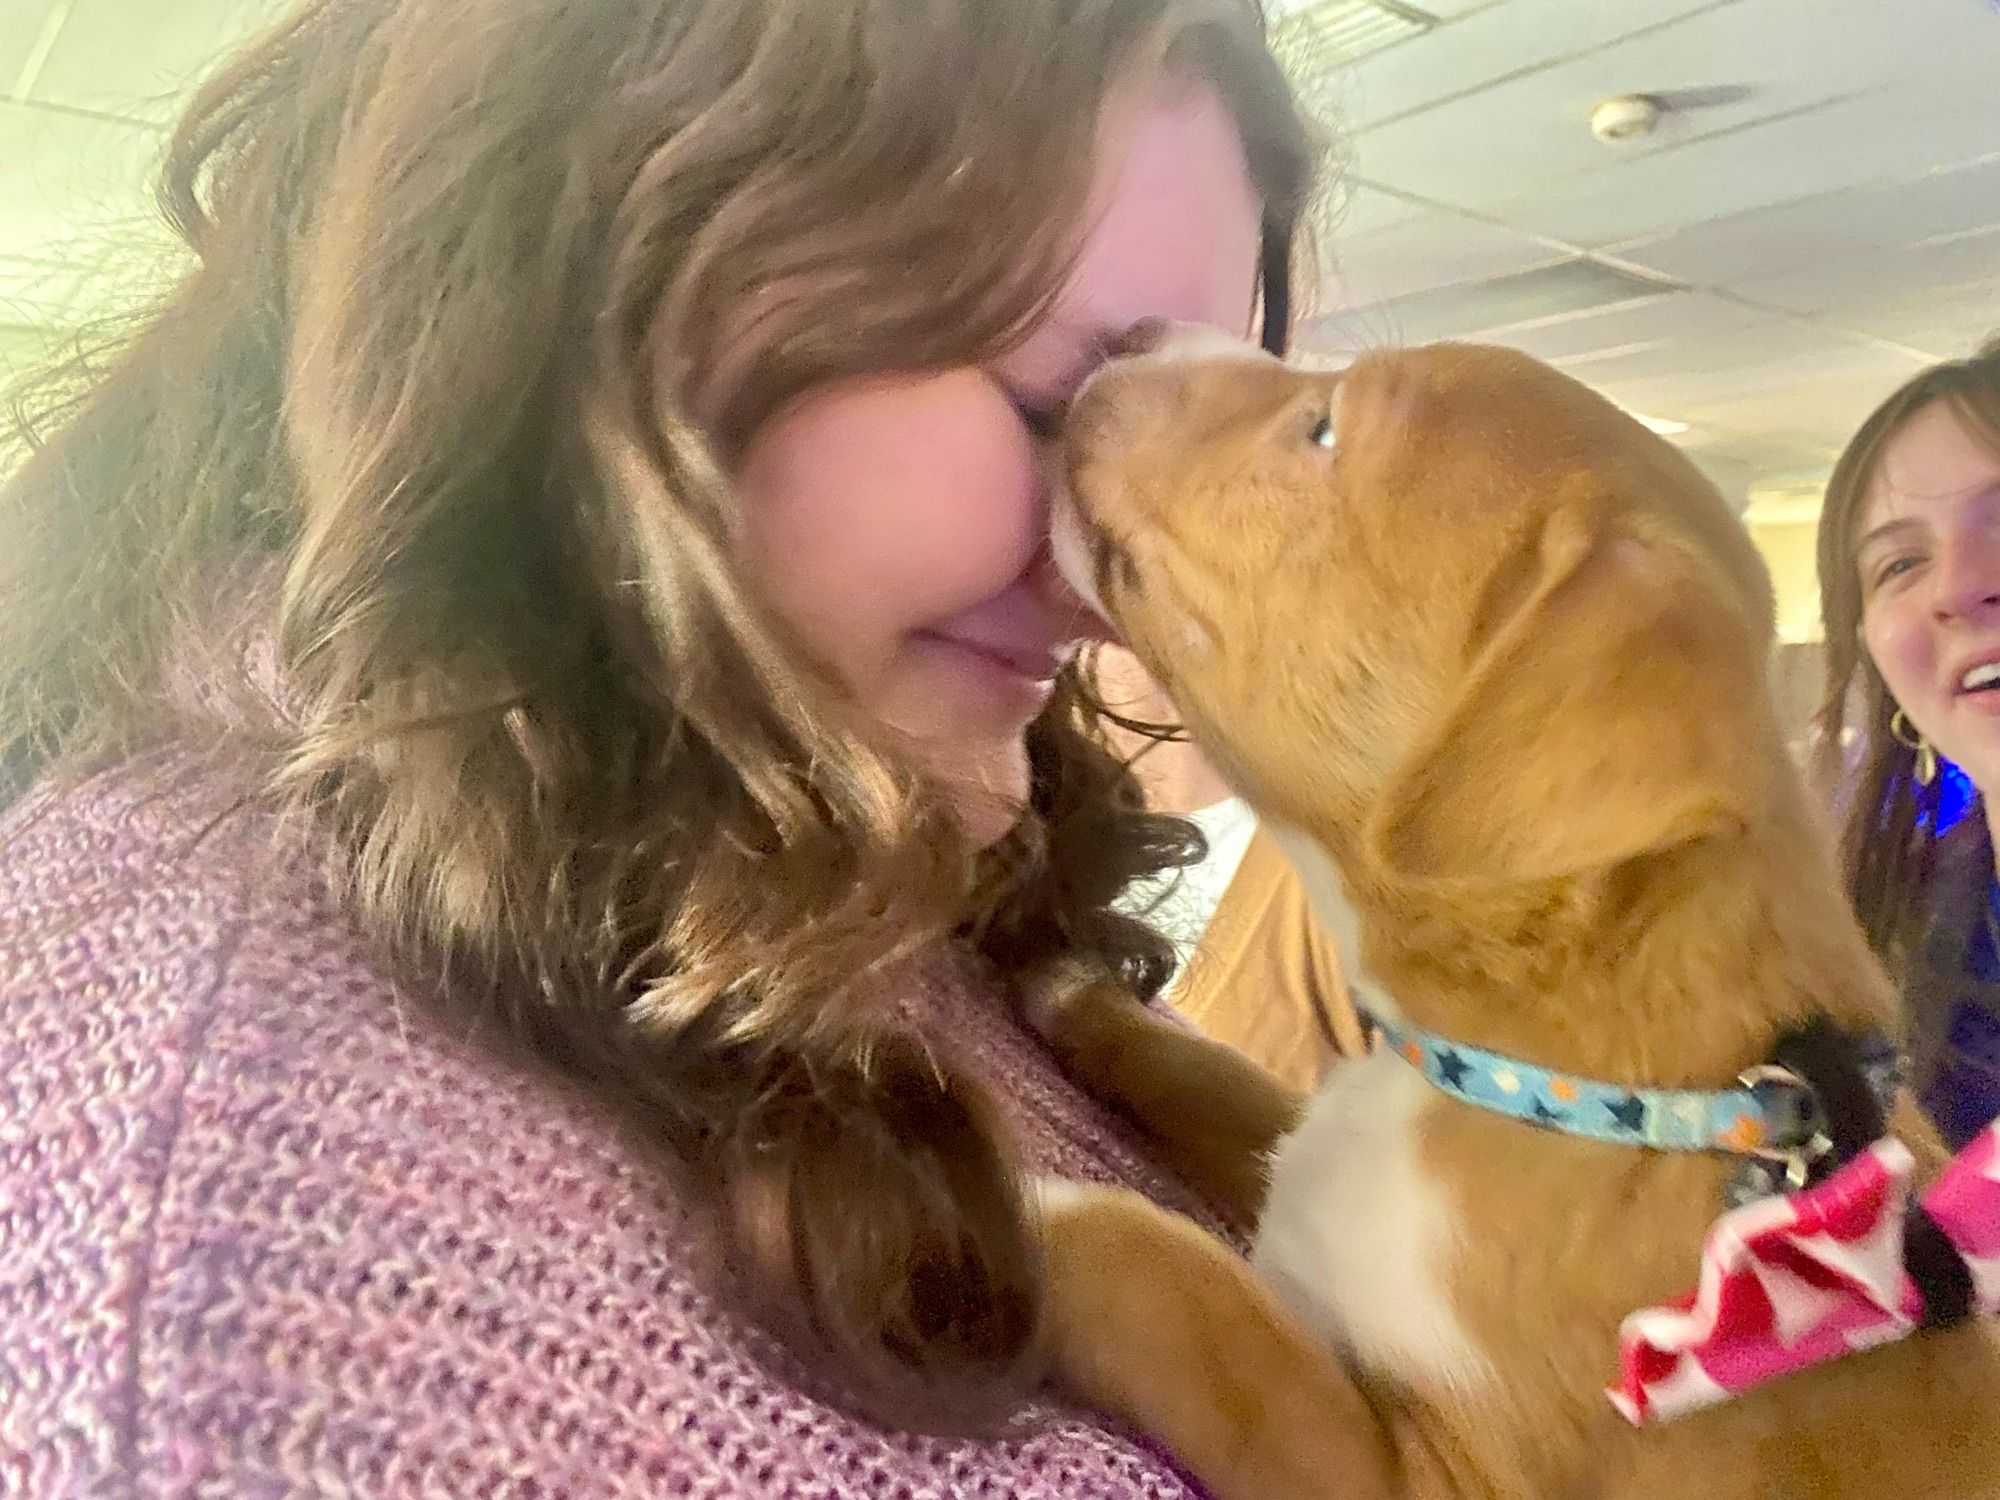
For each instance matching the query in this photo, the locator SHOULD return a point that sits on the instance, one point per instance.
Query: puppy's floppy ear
(1611, 713)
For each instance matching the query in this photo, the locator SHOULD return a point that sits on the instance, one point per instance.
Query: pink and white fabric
(1795, 1281)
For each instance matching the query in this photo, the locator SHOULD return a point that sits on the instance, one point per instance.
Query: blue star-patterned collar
(1770, 1114)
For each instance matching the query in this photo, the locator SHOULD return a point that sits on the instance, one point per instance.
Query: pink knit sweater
(266, 1230)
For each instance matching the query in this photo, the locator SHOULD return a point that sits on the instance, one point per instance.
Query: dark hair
(486, 296)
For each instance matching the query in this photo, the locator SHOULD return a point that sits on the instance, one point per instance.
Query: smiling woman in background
(1909, 569)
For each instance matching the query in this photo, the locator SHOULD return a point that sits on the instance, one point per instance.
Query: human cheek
(967, 511)
(811, 540)
(1899, 644)
(874, 507)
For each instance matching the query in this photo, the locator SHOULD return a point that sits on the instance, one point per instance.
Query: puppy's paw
(1092, 1238)
(1063, 1200)
(1150, 1318)
(1058, 1000)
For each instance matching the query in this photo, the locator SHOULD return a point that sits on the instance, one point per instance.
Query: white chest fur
(1355, 1235)
(1359, 1240)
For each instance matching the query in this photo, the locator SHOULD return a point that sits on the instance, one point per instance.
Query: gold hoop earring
(1904, 733)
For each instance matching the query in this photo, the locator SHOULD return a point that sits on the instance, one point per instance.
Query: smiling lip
(1983, 659)
(1031, 663)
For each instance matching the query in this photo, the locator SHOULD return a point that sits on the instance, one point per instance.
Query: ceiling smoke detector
(1626, 117)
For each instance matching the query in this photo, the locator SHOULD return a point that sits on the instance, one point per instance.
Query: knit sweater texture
(268, 1229)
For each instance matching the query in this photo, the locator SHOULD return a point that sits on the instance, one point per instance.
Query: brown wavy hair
(1889, 845)
(486, 297)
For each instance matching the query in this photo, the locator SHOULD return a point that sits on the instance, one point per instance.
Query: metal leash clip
(1799, 1157)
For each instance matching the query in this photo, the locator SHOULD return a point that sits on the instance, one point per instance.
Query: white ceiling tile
(1847, 165)
(21, 26)
(1531, 129)
(1718, 351)
(1889, 136)
(1824, 284)
(1944, 322)
(1806, 395)
(1809, 395)
(1469, 55)
(1539, 296)
(1447, 10)
(1361, 209)
(1910, 89)
(1760, 362)
(1430, 251)
(1852, 223)
(132, 57)
(1762, 456)
(1661, 333)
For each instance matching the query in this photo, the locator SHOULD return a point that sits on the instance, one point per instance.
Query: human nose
(1968, 578)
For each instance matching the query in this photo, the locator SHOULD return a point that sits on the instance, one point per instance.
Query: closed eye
(1890, 569)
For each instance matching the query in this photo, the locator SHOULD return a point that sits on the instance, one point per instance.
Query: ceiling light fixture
(1664, 426)
(1626, 117)
(1316, 38)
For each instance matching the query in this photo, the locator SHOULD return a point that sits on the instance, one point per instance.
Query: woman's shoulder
(269, 1224)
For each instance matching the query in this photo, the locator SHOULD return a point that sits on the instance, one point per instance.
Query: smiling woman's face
(1929, 563)
(898, 525)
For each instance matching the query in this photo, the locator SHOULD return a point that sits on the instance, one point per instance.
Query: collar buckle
(1808, 1142)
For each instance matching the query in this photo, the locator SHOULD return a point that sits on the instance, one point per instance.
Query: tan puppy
(1491, 658)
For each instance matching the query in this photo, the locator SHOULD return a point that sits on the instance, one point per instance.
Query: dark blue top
(1964, 1097)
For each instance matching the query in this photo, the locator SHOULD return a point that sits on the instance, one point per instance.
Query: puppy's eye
(1323, 434)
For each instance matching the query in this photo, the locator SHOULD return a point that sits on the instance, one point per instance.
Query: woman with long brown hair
(541, 744)
(1909, 570)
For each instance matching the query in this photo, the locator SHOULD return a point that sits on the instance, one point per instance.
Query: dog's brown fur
(1498, 656)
